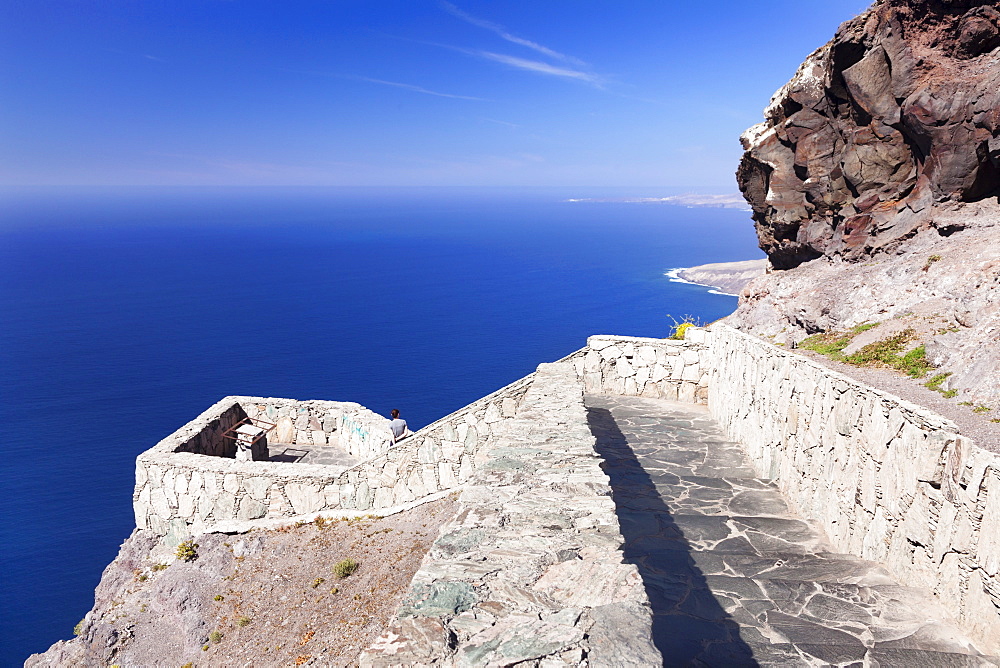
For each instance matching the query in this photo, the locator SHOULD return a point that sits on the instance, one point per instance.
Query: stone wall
(180, 491)
(350, 426)
(530, 569)
(633, 366)
(889, 481)
(203, 435)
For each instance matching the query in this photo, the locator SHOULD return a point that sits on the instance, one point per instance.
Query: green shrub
(831, 344)
(78, 629)
(935, 382)
(243, 621)
(219, 597)
(345, 567)
(187, 551)
(915, 363)
(215, 636)
(318, 581)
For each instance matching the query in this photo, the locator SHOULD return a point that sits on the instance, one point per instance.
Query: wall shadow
(286, 454)
(690, 628)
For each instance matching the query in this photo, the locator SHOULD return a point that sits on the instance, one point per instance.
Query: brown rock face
(900, 111)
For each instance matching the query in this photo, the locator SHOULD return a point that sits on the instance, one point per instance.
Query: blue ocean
(126, 312)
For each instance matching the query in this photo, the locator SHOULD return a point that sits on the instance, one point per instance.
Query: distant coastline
(724, 278)
(690, 200)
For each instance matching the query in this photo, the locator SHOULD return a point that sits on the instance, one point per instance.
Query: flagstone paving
(734, 576)
(329, 455)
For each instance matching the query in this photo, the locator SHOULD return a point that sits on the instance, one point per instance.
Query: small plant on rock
(317, 582)
(243, 621)
(78, 629)
(215, 637)
(935, 382)
(680, 327)
(159, 567)
(345, 567)
(219, 597)
(187, 551)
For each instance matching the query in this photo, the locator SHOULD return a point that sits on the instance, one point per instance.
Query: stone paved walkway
(330, 455)
(734, 577)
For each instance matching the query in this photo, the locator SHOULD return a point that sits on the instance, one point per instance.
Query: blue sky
(387, 92)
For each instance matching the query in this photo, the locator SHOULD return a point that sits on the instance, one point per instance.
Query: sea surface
(124, 313)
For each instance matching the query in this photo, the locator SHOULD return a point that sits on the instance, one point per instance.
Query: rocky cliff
(875, 182)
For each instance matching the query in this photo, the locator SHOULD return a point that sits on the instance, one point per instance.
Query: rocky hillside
(271, 598)
(875, 182)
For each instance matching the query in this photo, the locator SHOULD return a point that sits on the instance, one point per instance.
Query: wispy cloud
(502, 32)
(153, 58)
(498, 122)
(382, 82)
(539, 67)
(416, 89)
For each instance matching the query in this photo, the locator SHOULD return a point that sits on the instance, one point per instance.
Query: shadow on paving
(689, 625)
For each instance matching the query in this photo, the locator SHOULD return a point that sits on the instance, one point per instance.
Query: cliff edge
(875, 183)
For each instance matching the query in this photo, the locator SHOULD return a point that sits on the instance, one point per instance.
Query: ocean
(126, 312)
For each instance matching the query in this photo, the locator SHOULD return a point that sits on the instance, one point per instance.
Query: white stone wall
(889, 481)
(530, 570)
(634, 366)
(180, 492)
(350, 426)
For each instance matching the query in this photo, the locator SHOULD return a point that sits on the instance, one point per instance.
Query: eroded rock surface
(899, 111)
(875, 186)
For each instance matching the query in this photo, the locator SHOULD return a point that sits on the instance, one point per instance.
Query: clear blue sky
(393, 92)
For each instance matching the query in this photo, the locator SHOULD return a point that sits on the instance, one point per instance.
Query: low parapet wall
(189, 482)
(888, 480)
(530, 570)
(635, 366)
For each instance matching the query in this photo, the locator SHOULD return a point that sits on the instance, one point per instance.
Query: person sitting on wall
(398, 427)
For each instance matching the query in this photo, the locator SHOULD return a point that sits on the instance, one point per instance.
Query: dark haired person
(398, 427)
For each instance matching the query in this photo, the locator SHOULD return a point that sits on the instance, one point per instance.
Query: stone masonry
(884, 480)
(190, 483)
(887, 480)
(531, 568)
(735, 577)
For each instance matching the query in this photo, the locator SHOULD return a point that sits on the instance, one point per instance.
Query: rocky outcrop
(875, 184)
(899, 111)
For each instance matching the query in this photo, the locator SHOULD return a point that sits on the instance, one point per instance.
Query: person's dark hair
(394, 413)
